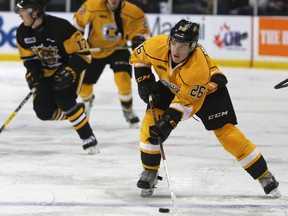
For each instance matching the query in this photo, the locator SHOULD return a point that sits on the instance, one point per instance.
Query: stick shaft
(163, 155)
(16, 111)
(98, 49)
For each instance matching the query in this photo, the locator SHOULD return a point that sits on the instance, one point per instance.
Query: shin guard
(86, 91)
(79, 120)
(235, 142)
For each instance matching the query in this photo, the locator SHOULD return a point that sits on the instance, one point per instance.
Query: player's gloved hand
(137, 40)
(64, 78)
(161, 129)
(33, 80)
(146, 83)
(147, 87)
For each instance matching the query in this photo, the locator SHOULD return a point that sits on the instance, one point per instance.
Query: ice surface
(44, 171)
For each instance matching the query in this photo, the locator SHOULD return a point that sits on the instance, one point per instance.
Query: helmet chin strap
(34, 19)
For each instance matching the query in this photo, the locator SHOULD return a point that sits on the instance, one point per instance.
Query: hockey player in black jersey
(55, 55)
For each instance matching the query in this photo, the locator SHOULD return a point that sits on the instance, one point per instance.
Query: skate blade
(87, 111)
(147, 192)
(275, 193)
(88, 107)
(133, 125)
(92, 150)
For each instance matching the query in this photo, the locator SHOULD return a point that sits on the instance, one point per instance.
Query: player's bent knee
(42, 115)
(123, 82)
(86, 91)
(234, 141)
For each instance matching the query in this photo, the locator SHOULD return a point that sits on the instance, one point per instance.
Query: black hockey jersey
(53, 43)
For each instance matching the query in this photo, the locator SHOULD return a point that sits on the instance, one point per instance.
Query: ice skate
(90, 145)
(148, 181)
(131, 118)
(270, 185)
(88, 105)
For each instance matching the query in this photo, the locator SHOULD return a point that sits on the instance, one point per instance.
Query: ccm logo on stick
(218, 115)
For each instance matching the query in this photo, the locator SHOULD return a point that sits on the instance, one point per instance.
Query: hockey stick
(173, 196)
(17, 110)
(98, 49)
(282, 84)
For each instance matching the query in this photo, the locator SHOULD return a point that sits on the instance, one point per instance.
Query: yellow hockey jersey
(189, 81)
(103, 28)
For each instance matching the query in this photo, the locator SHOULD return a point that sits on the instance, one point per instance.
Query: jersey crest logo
(30, 40)
(47, 54)
(110, 32)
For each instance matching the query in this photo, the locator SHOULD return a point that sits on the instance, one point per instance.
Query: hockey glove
(161, 129)
(137, 40)
(33, 80)
(146, 83)
(64, 78)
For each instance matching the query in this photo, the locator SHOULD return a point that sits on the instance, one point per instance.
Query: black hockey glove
(161, 129)
(137, 40)
(33, 80)
(64, 78)
(146, 83)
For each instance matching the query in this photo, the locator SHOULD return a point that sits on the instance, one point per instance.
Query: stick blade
(282, 84)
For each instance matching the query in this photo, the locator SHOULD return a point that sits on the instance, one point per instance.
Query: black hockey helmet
(185, 32)
(31, 5)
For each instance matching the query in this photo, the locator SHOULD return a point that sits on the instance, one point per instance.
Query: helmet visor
(19, 8)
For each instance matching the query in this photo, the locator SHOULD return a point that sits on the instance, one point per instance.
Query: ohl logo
(228, 38)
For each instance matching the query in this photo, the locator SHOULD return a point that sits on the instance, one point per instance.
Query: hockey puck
(164, 210)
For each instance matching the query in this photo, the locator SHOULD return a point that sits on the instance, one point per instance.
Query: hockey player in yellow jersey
(189, 84)
(111, 24)
(55, 63)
